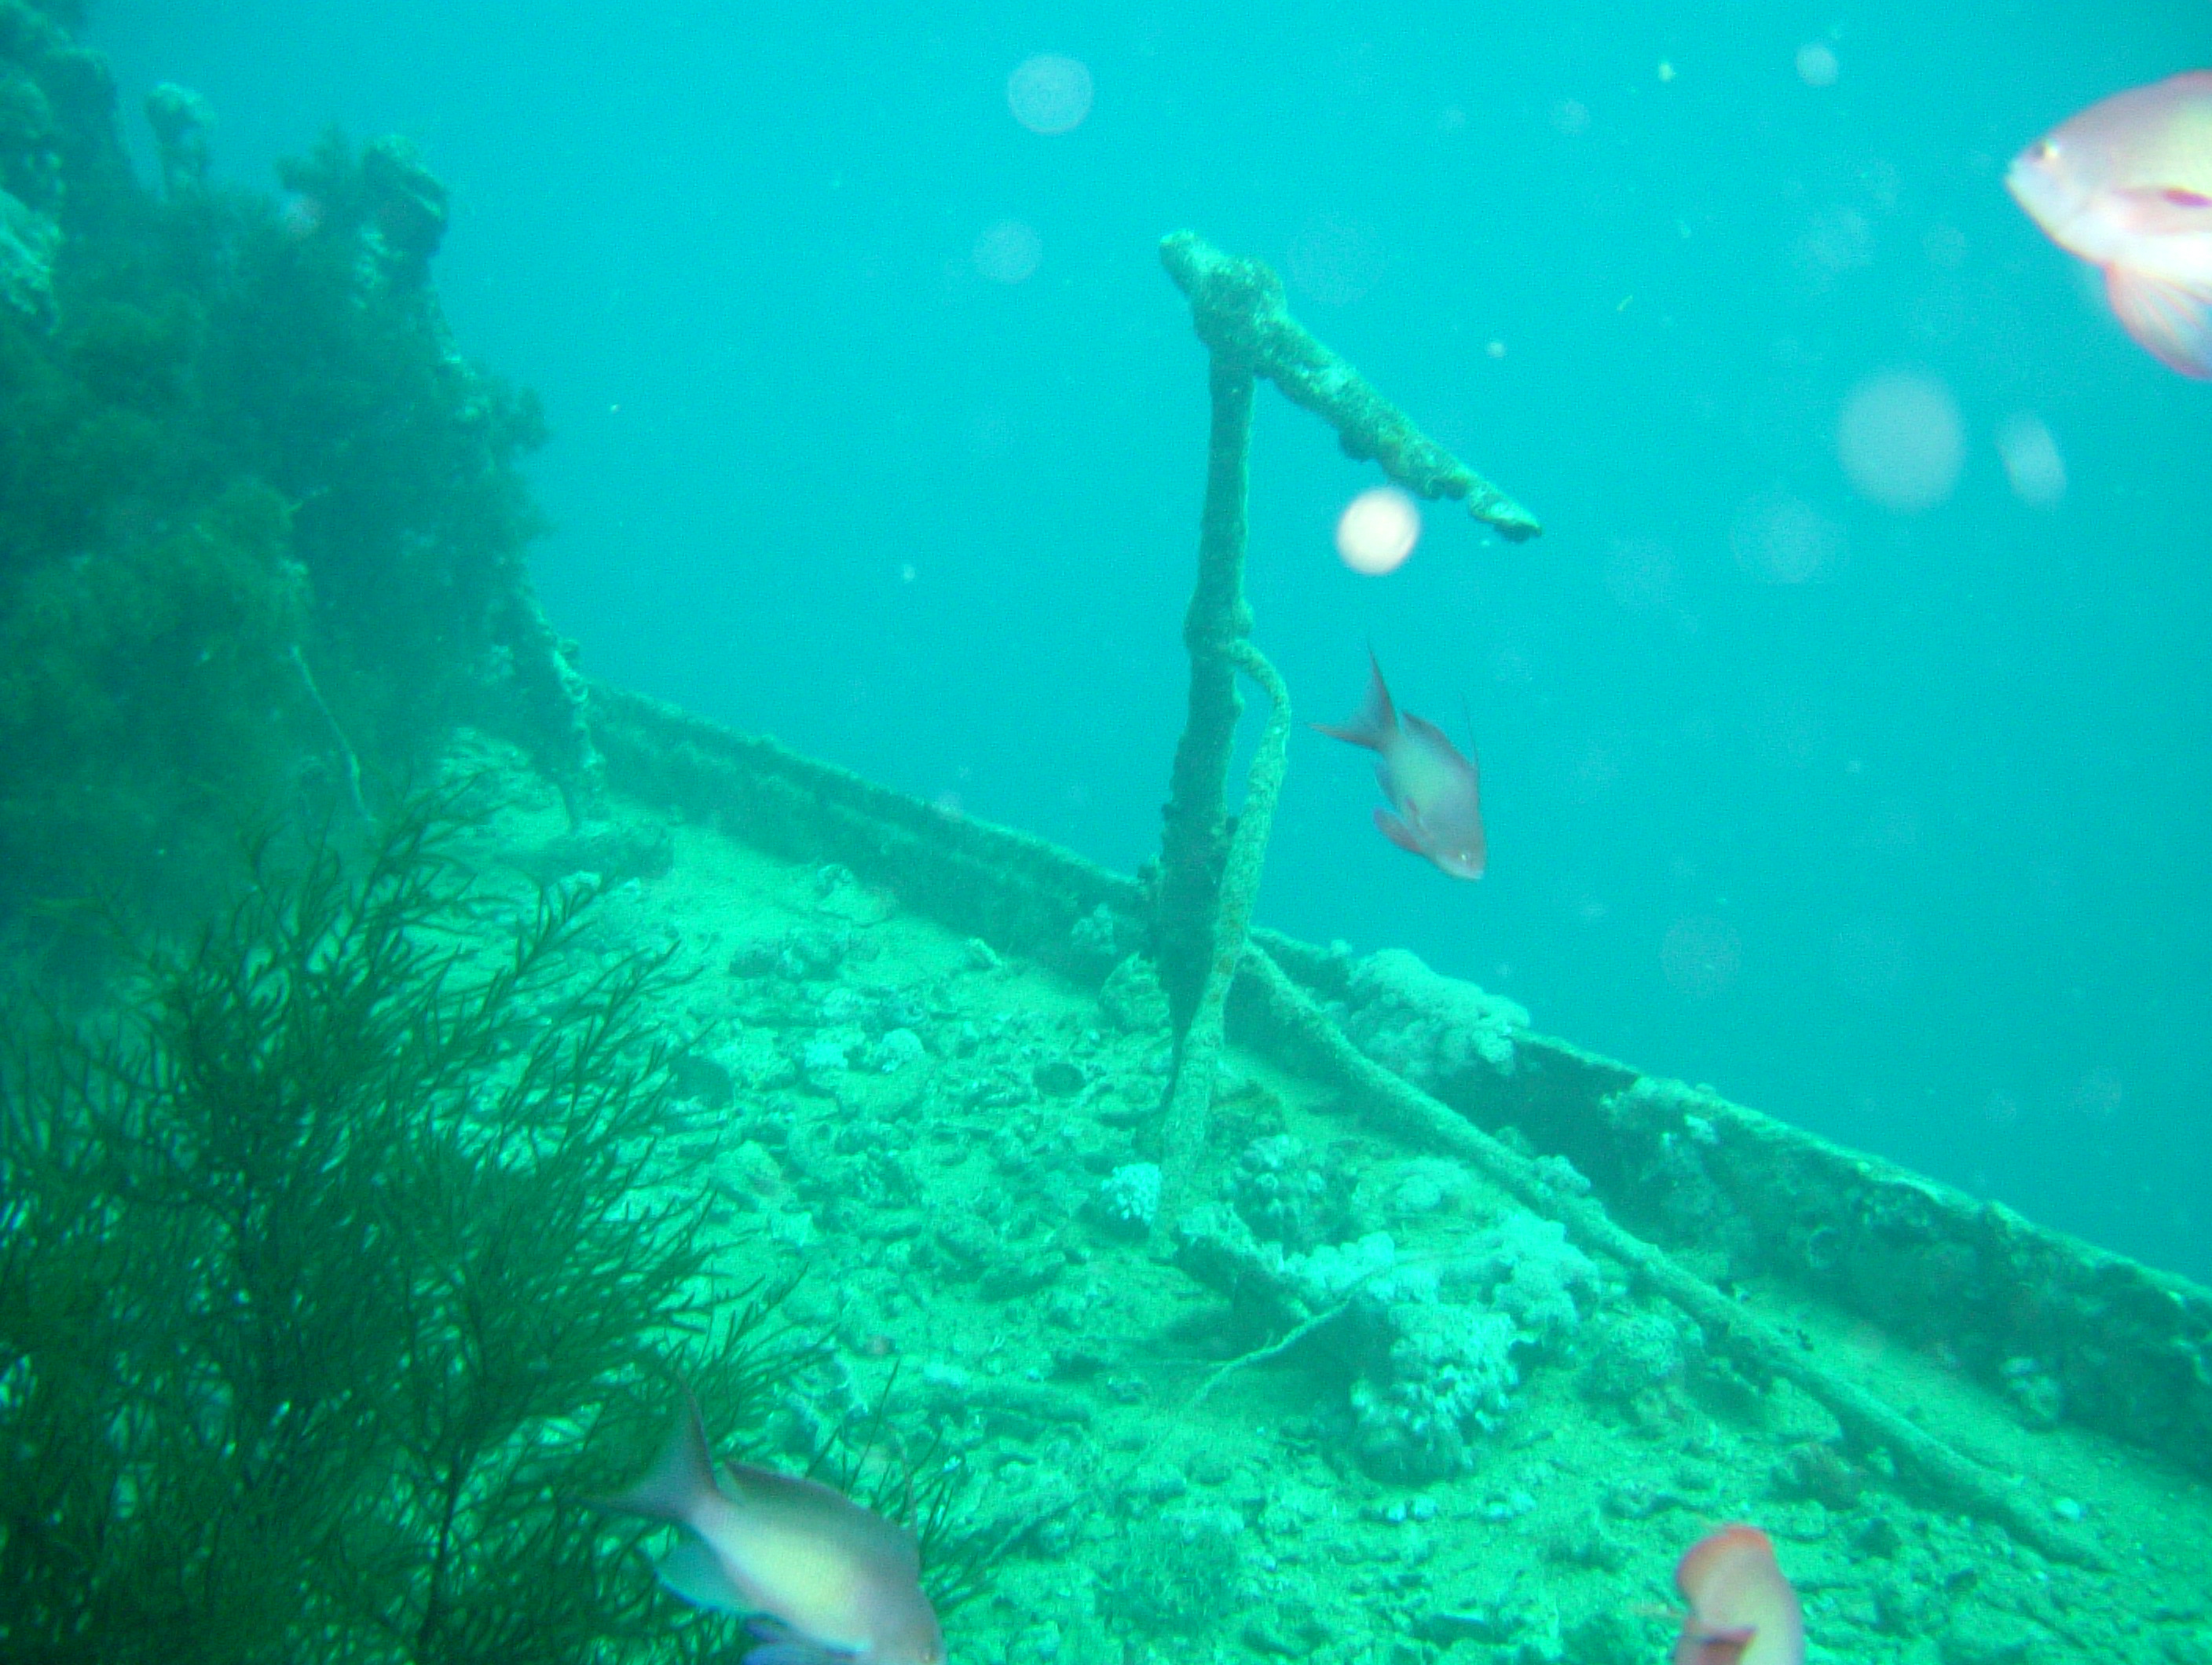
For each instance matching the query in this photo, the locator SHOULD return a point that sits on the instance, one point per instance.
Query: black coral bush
(333, 1281)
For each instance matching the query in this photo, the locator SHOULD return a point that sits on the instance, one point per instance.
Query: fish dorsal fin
(804, 1506)
(2171, 321)
(692, 1572)
(1426, 732)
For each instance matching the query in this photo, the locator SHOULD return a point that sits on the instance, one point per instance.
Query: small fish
(2127, 185)
(1742, 1611)
(827, 1581)
(1432, 788)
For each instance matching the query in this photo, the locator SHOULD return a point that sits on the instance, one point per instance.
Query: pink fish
(1742, 1611)
(2127, 185)
(1432, 788)
(835, 1582)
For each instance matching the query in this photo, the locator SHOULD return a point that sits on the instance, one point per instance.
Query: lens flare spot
(1899, 440)
(2100, 1094)
(1700, 957)
(1049, 94)
(1639, 574)
(1778, 538)
(2031, 461)
(1378, 530)
(1817, 65)
(1336, 262)
(1875, 959)
(1008, 252)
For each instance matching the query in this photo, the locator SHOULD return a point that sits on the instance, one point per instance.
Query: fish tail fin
(1377, 719)
(1699, 1645)
(775, 1643)
(2171, 321)
(682, 1475)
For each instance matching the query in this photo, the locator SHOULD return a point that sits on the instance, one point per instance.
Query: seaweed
(929, 1492)
(334, 1281)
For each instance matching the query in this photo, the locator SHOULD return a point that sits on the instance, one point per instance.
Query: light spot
(1378, 530)
(1665, 69)
(1496, 349)
(1817, 65)
(1700, 957)
(1874, 959)
(1570, 116)
(1594, 774)
(301, 217)
(1899, 440)
(2031, 461)
(1007, 252)
(1945, 247)
(2100, 1094)
(1336, 261)
(1835, 241)
(1778, 538)
(1049, 94)
(1639, 574)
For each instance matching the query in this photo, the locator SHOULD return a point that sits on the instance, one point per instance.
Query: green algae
(331, 1288)
(260, 524)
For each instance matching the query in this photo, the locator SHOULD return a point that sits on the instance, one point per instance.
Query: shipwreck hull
(2065, 1331)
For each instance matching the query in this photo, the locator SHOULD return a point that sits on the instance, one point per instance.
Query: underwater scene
(1105, 834)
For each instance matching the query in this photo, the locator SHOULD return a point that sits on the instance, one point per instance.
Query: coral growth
(259, 523)
(1432, 1029)
(1290, 1195)
(1430, 1346)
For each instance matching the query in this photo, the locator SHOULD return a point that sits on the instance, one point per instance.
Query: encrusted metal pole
(1194, 841)
(1210, 862)
(1943, 1473)
(1238, 308)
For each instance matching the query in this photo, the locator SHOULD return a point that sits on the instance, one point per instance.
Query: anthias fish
(2127, 185)
(1434, 790)
(1742, 1611)
(833, 1581)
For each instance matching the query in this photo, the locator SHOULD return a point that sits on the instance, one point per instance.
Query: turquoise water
(1911, 851)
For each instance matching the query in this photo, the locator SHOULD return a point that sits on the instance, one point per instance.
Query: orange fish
(831, 1583)
(1742, 1611)
(2127, 185)
(1436, 792)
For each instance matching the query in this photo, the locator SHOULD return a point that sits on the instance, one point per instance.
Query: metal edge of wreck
(2127, 1348)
